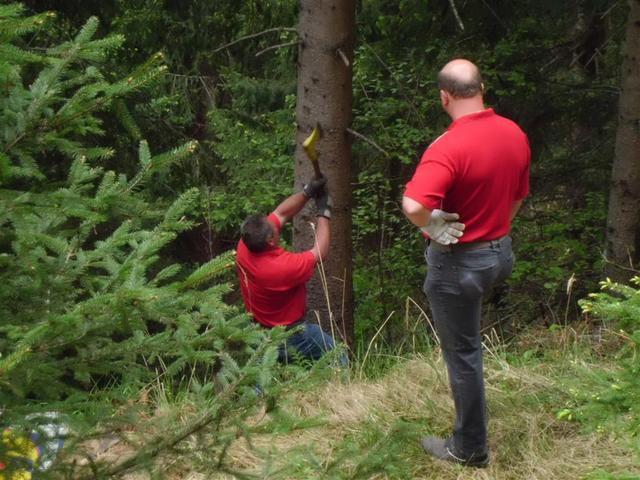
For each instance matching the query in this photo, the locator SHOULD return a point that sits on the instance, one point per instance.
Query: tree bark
(325, 66)
(623, 220)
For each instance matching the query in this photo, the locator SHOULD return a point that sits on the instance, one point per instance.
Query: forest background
(138, 134)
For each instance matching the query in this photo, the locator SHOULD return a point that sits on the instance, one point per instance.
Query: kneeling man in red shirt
(273, 280)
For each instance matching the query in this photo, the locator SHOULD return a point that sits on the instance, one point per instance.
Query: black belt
(464, 247)
(294, 324)
(286, 327)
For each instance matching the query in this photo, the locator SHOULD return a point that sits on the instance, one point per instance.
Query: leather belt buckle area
(464, 247)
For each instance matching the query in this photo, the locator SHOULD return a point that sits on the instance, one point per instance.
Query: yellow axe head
(309, 146)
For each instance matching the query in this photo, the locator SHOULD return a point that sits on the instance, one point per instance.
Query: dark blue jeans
(455, 284)
(311, 342)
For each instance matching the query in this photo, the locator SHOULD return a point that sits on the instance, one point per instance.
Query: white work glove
(443, 228)
(324, 204)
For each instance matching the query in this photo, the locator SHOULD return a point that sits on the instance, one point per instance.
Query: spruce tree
(95, 319)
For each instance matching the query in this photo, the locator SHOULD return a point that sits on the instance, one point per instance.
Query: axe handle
(316, 168)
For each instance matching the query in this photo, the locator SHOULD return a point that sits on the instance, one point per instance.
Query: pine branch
(164, 442)
(209, 270)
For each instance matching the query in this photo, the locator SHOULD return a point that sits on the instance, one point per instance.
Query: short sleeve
(273, 219)
(432, 180)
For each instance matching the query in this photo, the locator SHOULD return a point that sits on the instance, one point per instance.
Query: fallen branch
(621, 267)
(456, 14)
(493, 12)
(275, 47)
(369, 141)
(254, 35)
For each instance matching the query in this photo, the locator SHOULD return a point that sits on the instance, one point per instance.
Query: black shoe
(440, 448)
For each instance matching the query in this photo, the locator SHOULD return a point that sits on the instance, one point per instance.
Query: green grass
(369, 425)
(366, 422)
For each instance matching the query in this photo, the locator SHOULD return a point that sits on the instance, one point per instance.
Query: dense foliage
(112, 256)
(563, 95)
(242, 112)
(618, 306)
(93, 312)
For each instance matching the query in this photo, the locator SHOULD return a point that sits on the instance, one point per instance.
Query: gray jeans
(455, 284)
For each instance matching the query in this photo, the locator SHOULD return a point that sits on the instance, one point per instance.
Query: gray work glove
(314, 187)
(323, 206)
(443, 228)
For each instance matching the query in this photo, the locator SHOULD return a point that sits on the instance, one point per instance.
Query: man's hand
(315, 187)
(323, 205)
(443, 228)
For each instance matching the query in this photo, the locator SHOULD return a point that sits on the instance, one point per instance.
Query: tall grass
(366, 423)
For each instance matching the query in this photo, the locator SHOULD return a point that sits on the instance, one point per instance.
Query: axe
(309, 146)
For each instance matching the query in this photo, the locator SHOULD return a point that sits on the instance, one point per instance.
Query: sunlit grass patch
(371, 429)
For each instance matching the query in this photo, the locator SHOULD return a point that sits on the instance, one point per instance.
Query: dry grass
(526, 439)
(370, 429)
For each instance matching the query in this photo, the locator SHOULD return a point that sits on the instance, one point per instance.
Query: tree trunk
(325, 60)
(623, 221)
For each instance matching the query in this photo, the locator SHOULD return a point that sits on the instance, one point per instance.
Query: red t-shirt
(273, 282)
(478, 168)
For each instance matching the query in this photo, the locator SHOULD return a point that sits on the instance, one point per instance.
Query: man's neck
(466, 106)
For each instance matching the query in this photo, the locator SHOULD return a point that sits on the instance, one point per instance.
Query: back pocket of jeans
(475, 282)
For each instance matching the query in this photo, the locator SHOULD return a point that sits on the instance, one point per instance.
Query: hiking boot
(441, 449)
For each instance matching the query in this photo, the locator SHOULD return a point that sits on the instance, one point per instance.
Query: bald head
(460, 78)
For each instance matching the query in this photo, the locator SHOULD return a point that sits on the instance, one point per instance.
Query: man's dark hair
(460, 87)
(255, 232)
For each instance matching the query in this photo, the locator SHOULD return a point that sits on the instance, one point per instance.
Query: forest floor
(366, 423)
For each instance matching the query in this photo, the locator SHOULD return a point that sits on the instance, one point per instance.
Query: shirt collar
(487, 112)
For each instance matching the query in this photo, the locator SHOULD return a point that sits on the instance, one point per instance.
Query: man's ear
(444, 98)
(271, 240)
(482, 87)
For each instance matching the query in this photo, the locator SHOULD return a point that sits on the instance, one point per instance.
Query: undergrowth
(320, 422)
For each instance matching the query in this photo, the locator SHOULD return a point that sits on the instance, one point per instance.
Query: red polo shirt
(273, 282)
(478, 168)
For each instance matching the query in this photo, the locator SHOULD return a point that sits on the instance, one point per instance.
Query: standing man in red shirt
(479, 169)
(273, 280)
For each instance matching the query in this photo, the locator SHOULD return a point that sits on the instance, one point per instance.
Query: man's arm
(439, 225)
(324, 206)
(514, 209)
(290, 207)
(323, 236)
(415, 212)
